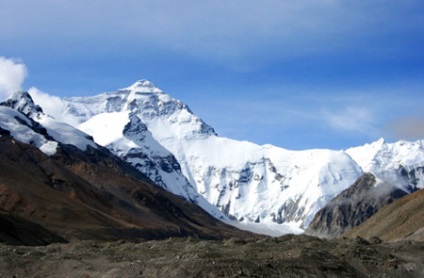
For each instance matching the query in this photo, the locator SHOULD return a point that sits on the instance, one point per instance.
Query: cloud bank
(12, 75)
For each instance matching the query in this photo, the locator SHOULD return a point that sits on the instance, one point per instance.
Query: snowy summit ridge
(264, 186)
(121, 121)
(143, 86)
(27, 123)
(23, 102)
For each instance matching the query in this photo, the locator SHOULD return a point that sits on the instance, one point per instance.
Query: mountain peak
(144, 83)
(380, 141)
(22, 102)
(143, 86)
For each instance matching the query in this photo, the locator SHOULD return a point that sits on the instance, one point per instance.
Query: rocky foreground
(287, 256)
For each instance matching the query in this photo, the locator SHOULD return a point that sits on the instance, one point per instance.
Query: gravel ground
(287, 256)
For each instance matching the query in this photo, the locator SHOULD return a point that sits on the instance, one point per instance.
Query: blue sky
(297, 74)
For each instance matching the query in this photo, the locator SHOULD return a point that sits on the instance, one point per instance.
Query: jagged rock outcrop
(353, 206)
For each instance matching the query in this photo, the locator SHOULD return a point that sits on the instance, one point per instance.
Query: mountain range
(266, 188)
(277, 188)
(58, 183)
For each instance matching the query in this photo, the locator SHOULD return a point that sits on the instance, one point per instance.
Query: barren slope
(353, 206)
(17, 231)
(94, 195)
(402, 219)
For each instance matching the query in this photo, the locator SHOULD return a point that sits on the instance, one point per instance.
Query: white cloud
(51, 105)
(12, 75)
(350, 119)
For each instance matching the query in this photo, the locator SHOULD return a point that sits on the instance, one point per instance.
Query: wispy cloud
(12, 75)
(214, 29)
(351, 119)
(307, 114)
(52, 105)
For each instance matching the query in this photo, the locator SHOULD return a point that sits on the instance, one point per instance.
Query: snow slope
(27, 123)
(265, 185)
(21, 128)
(126, 136)
(400, 164)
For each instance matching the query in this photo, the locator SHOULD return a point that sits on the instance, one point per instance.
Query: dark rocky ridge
(95, 195)
(352, 207)
(401, 220)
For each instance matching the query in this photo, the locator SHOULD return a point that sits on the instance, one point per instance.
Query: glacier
(260, 187)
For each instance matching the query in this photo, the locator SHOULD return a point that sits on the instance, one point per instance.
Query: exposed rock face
(401, 220)
(353, 206)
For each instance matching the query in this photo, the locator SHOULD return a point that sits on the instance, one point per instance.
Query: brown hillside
(17, 231)
(402, 219)
(94, 195)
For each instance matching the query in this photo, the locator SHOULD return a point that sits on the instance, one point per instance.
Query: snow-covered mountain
(268, 185)
(124, 134)
(27, 123)
(400, 164)
(55, 178)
